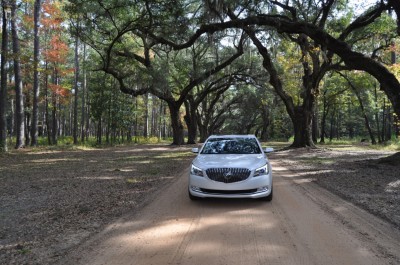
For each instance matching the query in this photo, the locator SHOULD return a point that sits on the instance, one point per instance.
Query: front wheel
(192, 197)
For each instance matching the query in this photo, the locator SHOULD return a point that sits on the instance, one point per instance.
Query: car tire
(192, 197)
(268, 198)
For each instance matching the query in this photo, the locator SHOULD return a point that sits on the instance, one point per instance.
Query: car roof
(233, 136)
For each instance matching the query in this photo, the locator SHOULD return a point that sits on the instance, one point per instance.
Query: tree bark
(325, 111)
(146, 116)
(76, 88)
(265, 123)
(54, 123)
(3, 89)
(302, 125)
(191, 120)
(83, 108)
(19, 95)
(99, 132)
(28, 120)
(35, 108)
(176, 124)
(47, 114)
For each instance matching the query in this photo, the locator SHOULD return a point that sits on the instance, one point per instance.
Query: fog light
(262, 189)
(194, 188)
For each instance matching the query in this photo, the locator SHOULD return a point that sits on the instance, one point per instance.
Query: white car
(231, 166)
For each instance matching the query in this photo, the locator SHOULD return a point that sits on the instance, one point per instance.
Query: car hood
(232, 161)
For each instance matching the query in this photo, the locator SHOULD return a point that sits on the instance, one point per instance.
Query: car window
(231, 146)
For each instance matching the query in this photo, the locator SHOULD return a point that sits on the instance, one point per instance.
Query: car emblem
(227, 175)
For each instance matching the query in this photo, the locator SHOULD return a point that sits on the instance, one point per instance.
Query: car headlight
(264, 170)
(196, 171)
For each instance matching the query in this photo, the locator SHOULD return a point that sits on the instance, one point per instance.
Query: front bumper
(253, 187)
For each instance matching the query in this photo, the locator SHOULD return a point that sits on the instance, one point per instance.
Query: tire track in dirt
(298, 227)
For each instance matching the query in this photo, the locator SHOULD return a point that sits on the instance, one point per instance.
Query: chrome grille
(228, 175)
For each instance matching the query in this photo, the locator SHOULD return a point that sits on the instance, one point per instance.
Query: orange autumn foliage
(59, 90)
(57, 51)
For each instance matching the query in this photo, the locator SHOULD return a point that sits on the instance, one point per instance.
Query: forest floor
(53, 200)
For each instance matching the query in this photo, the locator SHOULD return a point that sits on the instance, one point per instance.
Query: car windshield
(231, 146)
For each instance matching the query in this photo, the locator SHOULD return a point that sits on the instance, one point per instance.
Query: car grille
(228, 175)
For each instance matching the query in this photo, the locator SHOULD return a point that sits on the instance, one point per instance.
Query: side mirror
(268, 150)
(195, 150)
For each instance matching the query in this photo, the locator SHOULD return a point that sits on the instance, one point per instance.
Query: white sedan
(231, 166)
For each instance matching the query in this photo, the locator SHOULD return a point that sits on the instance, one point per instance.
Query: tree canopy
(278, 69)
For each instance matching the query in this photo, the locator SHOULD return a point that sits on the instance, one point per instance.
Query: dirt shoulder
(52, 201)
(361, 177)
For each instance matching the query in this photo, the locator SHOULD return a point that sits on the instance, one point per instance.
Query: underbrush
(67, 143)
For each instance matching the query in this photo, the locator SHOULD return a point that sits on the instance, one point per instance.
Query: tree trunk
(3, 89)
(136, 126)
(54, 120)
(160, 119)
(76, 88)
(302, 128)
(87, 129)
(332, 122)
(325, 111)
(164, 126)
(389, 121)
(203, 133)
(191, 121)
(99, 132)
(377, 115)
(109, 120)
(176, 124)
(54, 129)
(19, 96)
(146, 116)
(83, 112)
(35, 109)
(47, 115)
(315, 122)
(383, 121)
(28, 120)
(265, 123)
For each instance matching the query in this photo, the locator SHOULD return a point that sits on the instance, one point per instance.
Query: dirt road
(303, 224)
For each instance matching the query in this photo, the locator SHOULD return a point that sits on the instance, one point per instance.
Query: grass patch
(358, 146)
(24, 251)
(275, 144)
(133, 180)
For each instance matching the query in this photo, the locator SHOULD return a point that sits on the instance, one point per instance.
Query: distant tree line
(117, 71)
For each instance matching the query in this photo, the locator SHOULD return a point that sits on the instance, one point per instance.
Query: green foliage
(119, 35)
